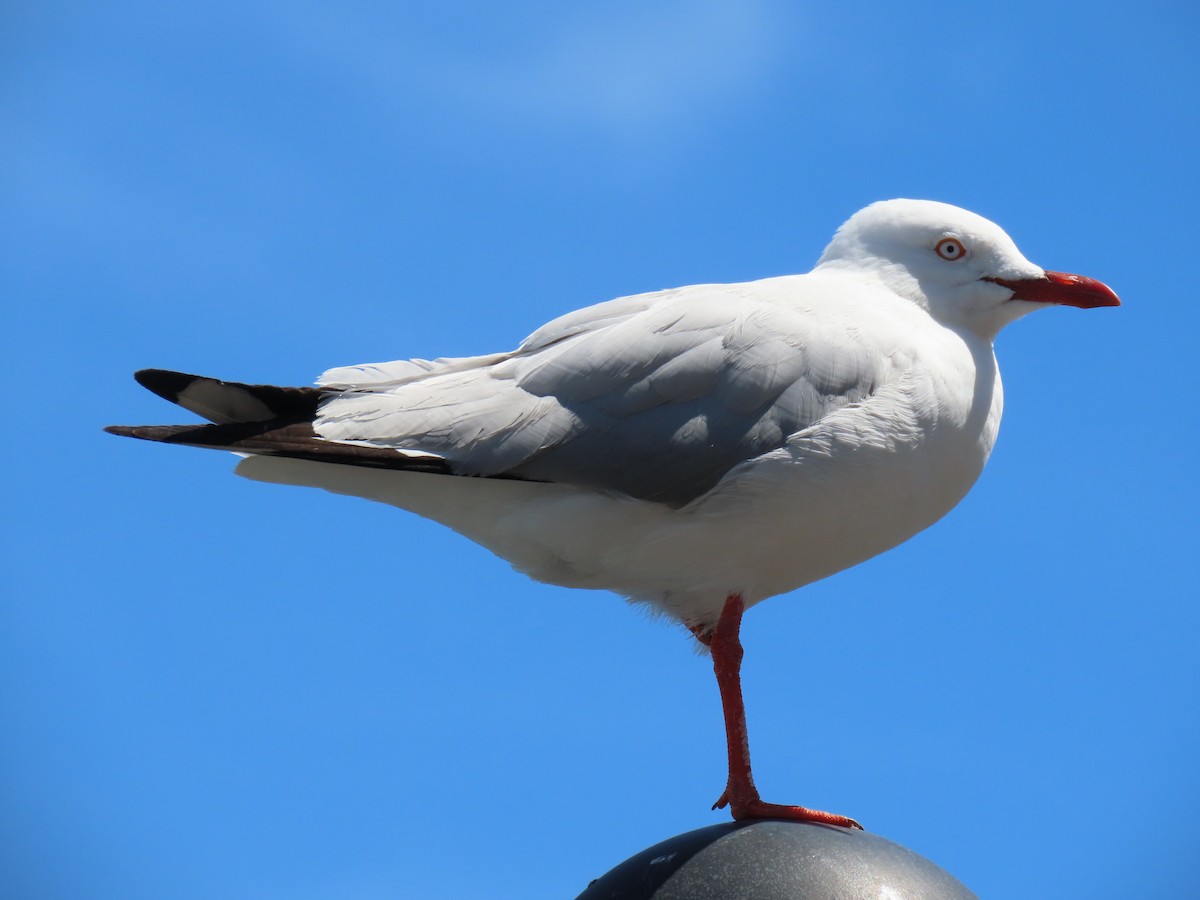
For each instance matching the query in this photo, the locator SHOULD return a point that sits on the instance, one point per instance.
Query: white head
(959, 266)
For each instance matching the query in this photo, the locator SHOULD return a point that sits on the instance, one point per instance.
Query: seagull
(698, 449)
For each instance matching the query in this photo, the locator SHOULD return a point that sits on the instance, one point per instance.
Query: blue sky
(216, 688)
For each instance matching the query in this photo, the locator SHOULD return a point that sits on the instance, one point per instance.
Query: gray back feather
(657, 396)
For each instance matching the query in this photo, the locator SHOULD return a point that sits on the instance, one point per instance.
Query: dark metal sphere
(767, 859)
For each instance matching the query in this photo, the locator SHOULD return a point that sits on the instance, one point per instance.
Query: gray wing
(656, 396)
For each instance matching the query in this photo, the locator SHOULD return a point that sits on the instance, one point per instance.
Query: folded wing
(656, 396)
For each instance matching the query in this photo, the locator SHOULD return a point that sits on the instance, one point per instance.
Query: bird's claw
(754, 808)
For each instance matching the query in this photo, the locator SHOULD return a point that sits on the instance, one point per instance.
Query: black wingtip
(196, 435)
(167, 384)
(231, 401)
(150, 432)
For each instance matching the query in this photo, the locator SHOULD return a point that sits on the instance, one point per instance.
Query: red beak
(1061, 288)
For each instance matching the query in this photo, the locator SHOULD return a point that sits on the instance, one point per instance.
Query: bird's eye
(950, 248)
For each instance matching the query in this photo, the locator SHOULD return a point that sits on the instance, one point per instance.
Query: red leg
(741, 796)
